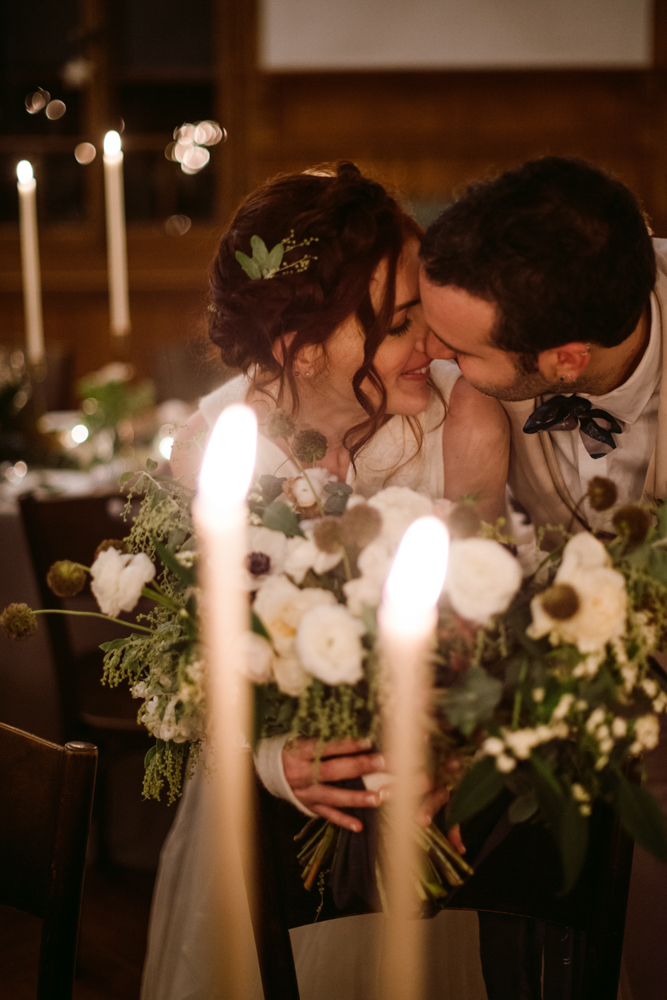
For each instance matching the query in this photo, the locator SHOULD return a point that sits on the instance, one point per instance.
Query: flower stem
(92, 614)
(160, 597)
(517, 695)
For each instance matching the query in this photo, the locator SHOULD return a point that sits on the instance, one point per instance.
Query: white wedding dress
(336, 959)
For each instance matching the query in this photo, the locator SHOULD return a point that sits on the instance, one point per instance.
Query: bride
(335, 335)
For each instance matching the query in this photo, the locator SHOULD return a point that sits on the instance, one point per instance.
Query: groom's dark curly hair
(561, 248)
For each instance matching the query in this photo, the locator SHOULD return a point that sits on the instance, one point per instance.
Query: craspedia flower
(18, 621)
(360, 525)
(110, 543)
(279, 425)
(327, 534)
(601, 493)
(632, 523)
(66, 578)
(309, 446)
(561, 601)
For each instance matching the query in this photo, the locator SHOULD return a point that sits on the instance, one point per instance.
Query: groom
(546, 288)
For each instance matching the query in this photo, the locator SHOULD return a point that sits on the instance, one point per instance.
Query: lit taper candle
(32, 291)
(407, 623)
(221, 519)
(119, 301)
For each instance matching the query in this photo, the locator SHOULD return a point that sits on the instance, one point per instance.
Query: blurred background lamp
(79, 433)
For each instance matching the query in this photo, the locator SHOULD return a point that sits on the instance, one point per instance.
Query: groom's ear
(565, 363)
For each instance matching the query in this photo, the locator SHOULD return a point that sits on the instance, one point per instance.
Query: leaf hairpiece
(266, 263)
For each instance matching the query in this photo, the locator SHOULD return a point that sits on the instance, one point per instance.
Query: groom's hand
(308, 770)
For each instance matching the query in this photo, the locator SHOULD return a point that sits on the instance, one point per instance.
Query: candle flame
(229, 461)
(418, 572)
(112, 143)
(24, 171)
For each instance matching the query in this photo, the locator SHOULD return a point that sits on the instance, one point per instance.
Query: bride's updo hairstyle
(354, 225)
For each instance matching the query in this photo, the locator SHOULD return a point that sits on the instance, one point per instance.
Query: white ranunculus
(399, 507)
(118, 578)
(303, 554)
(290, 676)
(299, 488)
(257, 658)
(603, 605)
(280, 606)
(482, 578)
(583, 552)
(329, 644)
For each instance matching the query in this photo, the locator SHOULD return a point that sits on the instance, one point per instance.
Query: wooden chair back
(517, 872)
(46, 796)
(72, 528)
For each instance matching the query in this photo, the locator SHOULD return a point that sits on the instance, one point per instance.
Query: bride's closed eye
(396, 331)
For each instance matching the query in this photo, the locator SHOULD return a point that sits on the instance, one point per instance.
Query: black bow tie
(565, 413)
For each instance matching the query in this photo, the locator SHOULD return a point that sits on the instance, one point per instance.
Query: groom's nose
(436, 349)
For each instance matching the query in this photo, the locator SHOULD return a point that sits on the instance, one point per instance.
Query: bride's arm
(188, 449)
(475, 444)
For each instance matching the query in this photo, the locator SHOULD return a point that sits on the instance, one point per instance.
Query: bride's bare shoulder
(471, 408)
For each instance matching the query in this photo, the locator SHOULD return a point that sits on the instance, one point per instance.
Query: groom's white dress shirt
(635, 405)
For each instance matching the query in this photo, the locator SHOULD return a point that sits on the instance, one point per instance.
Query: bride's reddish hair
(356, 224)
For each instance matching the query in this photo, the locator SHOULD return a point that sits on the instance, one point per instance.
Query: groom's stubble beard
(529, 384)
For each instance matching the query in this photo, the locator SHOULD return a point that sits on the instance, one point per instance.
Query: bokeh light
(177, 225)
(85, 152)
(190, 142)
(79, 433)
(37, 101)
(55, 109)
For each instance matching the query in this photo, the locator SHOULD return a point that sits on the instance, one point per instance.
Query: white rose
(603, 605)
(360, 593)
(329, 644)
(482, 578)
(118, 579)
(257, 658)
(303, 554)
(300, 490)
(280, 606)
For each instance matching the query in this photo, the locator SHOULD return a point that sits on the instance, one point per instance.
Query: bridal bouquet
(543, 681)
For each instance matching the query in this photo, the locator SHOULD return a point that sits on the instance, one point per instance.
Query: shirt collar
(628, 401)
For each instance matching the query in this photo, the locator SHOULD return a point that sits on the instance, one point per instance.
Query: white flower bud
(538, 695)
(493, 746)
(619, 727)
(505, 763)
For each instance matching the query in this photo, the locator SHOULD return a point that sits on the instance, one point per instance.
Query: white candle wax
(221, 519)
(32, 292)
(119, 302)
(407, 621)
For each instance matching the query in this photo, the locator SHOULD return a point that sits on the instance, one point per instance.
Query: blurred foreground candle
(32, 292)
(119, 302)
(407, 623)
(221, 517)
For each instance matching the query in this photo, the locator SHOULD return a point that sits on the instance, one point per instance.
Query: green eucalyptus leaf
(523, 807)
(641, 816)
(276, 257)
(260, 251)
(479, 788)
(335, 504)
(185, 574)
(573, 844)
(106, 647)
(271, 487)
(249, 265)
(473, 700)
(124, 478)
(280, 517)
(257, 626)
(149, 756)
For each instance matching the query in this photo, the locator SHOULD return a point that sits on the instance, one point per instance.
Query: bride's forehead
(407, 275)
